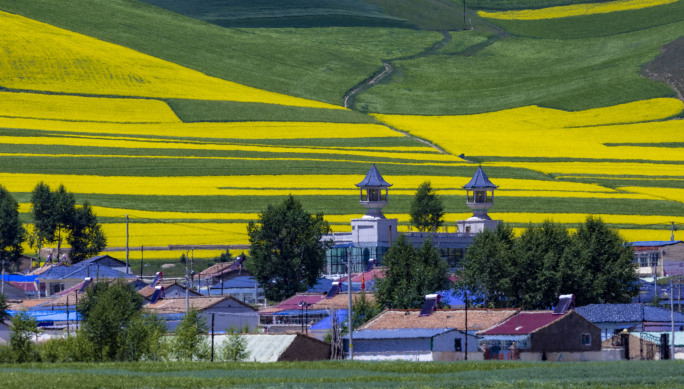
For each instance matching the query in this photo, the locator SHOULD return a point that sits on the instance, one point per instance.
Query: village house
(659, 258)
(243, 288)
(226, 311)
(543, 335)
(282, 347)
(613, 318)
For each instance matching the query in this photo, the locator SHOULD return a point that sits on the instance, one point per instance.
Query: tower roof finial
(479, 180)
(373, 179)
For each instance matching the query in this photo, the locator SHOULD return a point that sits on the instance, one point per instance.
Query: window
(457, 344)
(653, 258)
(586, 339)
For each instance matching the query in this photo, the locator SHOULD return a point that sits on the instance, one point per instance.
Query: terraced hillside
(191, 127)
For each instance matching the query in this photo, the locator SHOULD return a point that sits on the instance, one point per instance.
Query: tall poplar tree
(427, 210)
(12, 232)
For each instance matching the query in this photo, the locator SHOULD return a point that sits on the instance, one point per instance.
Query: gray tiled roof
(373, 178)
(620, 313)
(479, 180)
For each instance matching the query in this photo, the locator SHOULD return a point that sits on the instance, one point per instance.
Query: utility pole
(672, 230)
(672, 338)
(349, 317)
(212, 337)
(466, 317)
(127, 264)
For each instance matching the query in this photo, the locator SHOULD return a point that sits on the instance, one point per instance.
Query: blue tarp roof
(18, 278)
(50, 315)
(654, 243)
(405, 333)
(326, 323)
(237, 282)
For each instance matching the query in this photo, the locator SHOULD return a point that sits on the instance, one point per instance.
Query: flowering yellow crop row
(239, 130)
(185, 145)
(601, 169)
(541, 132)
(171, 256)
(164, 234)
(674, 194)
(42, 57)
(295, 184)
(79, 108)
(574, 10)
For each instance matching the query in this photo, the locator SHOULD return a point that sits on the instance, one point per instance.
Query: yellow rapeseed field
(574, 10)
(80, 108)
(600, 169)
(164, 234)
(41, 57)
(167, 255)
(674, 194)
(238, 130)
(556, 134)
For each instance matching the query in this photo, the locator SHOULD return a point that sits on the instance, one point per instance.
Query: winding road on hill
(388, 68)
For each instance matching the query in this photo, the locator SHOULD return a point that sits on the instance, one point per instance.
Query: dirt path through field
(388, 68)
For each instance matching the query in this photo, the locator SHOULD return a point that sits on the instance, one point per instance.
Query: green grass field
(337, 374)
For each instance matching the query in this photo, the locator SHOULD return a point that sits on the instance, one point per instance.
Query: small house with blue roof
(614, 318)
(660, 258)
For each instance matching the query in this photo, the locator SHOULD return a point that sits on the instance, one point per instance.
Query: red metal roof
(523, 323)
(293, 302)
(25, 286)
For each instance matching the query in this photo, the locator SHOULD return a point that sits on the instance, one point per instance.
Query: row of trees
(114, 328)
(55, 218)
(546, 260)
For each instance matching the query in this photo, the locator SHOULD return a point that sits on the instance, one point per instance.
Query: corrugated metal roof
(479, 180)
(373, 179)
(407, 333)
(523, 323)
(678, 337)
(263, 348)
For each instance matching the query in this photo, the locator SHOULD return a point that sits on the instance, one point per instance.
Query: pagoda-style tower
(374, 190)
(373, 227)
(479, 198)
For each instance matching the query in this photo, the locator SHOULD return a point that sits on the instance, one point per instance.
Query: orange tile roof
(177, 305)
(478, 319)
(148, 291)
(216, 269)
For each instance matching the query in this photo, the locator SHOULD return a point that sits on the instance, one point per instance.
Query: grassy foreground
(623, 374)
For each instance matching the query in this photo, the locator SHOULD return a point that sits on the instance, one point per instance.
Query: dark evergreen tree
(427, 211)
(286, 252)
(86, 237)
(65, 212)
(488, 268)
(44, 218)
(12, 232)
(608, 260)
(410, 274)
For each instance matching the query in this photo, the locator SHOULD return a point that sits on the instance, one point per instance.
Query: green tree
(12, 233)
(4, 306)
(410, 274)
(44, 218)
(24, 328)
(107, 311)
(225, 257)
(142, 338)
(234, 349)
(363, 309)
(608, 261)
(538, 255)
(287, 255)
(65, 212)
(487, 268)
(427, 211)
(86, 237)
(189, 343)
